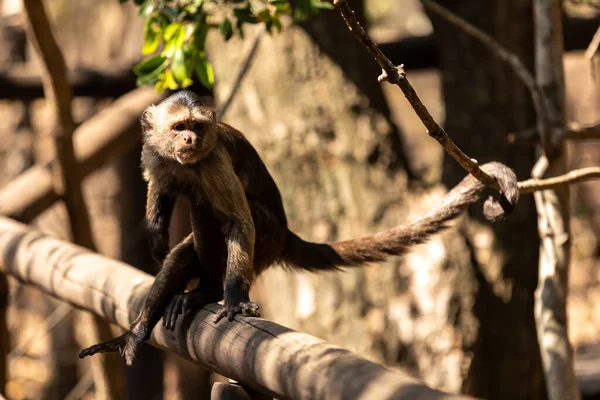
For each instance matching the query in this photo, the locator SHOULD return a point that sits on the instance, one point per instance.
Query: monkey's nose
(188, 138)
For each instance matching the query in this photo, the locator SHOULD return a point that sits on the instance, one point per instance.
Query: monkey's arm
(159, 207)
(230, 203)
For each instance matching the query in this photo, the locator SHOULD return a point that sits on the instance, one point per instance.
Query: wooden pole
(553, 208)
(258, 353)
(66, 179)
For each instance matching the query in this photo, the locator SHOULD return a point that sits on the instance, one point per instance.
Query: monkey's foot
(183, 303)
(246, 308)
(126, 344)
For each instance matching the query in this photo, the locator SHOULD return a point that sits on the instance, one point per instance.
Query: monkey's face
(185, 134)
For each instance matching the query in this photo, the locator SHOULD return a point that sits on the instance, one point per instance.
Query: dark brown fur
(238, 220)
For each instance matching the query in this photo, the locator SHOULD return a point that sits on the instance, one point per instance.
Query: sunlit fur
(183, 109)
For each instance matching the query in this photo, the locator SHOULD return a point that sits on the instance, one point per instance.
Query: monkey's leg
(177, 270)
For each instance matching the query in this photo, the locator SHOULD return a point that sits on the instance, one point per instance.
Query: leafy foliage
(175, 34)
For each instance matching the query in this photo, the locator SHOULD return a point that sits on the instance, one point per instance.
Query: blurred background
(350, 157)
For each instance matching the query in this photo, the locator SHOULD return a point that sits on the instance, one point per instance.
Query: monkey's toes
(113, 345)
(249, 309)
(246, 308)
(132, 345)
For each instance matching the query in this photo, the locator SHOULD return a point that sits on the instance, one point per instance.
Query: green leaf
(186, 82)
(264, 15)
(171, 12)
(205, 73)
(180, 37)
(152, 37)
(282, 6)
(200, 35)
(146, 8)
(303, 11)
(178, 66)
(226, 29)
(244, 15)
(324, 5)
(276, 23)
(149, 64)
(166, 81)
(147, 76)
(170, 31)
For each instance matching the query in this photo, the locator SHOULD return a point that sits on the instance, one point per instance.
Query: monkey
(239, 225)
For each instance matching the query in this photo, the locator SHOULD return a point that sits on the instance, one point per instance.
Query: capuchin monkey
(239, 223)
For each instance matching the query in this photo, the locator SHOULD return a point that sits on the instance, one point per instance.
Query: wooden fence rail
(258, 353)
(107, 135)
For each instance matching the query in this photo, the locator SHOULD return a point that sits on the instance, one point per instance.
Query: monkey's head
(180, 128)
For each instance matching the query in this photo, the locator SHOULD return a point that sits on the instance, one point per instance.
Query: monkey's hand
(246, 308)
(126, 344)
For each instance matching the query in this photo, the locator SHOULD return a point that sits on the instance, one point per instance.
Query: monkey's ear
(213, 115)
(147, 119)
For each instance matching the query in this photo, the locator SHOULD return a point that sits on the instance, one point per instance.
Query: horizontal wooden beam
(23, 84)
(107, 135)
(415, 52)
(260, 354)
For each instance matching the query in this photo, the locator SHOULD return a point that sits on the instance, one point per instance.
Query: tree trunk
(484, 102)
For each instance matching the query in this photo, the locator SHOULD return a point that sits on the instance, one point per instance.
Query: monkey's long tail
(396, 241)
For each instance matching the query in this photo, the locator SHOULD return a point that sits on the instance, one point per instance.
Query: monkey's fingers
(172, 311)
(113, 345)
(250, 309)
(247, 309)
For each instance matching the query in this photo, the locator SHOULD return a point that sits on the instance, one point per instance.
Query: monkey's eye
(198, 127)
(179, 126)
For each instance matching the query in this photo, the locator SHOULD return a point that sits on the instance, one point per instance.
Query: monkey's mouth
(187, 156)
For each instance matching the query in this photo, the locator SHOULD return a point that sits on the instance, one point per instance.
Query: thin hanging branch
(541, 104)
(572, 177)
(576, 132)
(244, 67)
(396, 75)
(66, 177)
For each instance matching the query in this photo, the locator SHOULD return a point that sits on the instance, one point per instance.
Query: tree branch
(570, 178)
(577, 132)
(396, 75)
(108, 376)
(241, 73)
(541, 104)
(574, 132)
